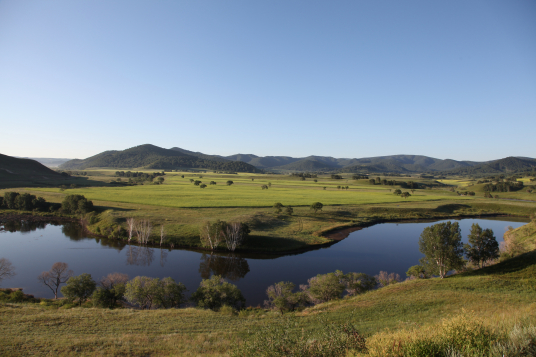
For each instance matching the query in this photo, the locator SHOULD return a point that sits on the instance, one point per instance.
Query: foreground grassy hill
(21, 172)
(486, 301)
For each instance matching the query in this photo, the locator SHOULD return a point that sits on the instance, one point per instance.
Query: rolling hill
(15, 169)
(153, 157)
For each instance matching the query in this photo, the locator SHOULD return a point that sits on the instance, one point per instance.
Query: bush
(79, 288)
(16, 296)
(325, 287)
(215, 292)
(281, 297)
(74, 204)
(148, 292)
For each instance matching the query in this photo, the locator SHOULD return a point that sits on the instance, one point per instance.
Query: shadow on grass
(451, 208)
(526, 261)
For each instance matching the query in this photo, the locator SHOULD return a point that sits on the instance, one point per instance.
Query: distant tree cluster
(507, 186)
(76, 204)
(360, 177)
(24, 202)
(138, 177)
(336, 177)
(304, 175)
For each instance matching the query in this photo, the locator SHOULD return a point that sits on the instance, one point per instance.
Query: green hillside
(506, 165)
(153, 157)
(13, 171)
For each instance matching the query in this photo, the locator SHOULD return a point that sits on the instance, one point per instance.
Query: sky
(349, 79)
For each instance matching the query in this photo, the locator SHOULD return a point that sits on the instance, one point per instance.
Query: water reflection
(22, 226)
(73, 231)
(231, 267)
(139, 255)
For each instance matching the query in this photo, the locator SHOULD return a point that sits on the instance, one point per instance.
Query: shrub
(148, 292)
(215, 292)
(281, 297)
(73, 204)
(79, 287)
(325, 287)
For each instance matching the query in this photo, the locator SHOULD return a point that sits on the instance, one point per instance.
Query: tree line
(71, 204)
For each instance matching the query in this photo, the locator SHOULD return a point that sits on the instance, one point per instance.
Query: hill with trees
(153, 157)
(506, 165)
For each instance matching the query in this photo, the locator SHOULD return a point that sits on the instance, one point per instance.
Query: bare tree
(7, 270)
(234, 236)
(211, 234)
(162, 234)
(56, 276)
(143, 230)
(131, 224)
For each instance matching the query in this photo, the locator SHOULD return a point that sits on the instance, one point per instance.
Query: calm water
(392, 247)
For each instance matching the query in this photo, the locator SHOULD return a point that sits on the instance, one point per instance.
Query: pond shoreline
(333, 234)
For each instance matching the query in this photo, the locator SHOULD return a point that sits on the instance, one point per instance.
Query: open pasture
(247, 192)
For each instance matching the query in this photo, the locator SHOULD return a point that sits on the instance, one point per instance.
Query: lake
(391, 247)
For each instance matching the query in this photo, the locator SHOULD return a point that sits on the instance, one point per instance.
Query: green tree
(215, 292)
(111, 290)
(9, 199)
(482, 245)
(229, 183)
(170, 294)
(281, 297)
(142, 291)
(289, 210)
(160, 180)
(442, 247)
(405, 195)
(202, 185)
(278, 207)
(79, 287)
(398, 191)
(73, 204)
(325, 287)
(317, 206)
(358, 283)
(417, 271)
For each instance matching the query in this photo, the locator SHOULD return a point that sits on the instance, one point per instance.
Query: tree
(73, 204)
(384, 279)
(142, 291)
(278, 207)
(229, 183)
(442, 247)
(9, 199)
(325, 287)
(482, 245)
(143, 230)
(235, 234)
(212, 234)
(264, 187)
(111, 290)
(203, 185)
(215, 292)
(289, 210)
(7, 270)
(281, 297)
(317, 206)
(405, 195)
(197, 182)
(160, 180)
(79, 287)
(212, 183)
(170, 294)
(57, 275)
(398, 191)
(358, 283)
(417, 271)
(131, 225)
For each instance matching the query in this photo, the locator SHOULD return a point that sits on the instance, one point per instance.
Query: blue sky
(447, 79)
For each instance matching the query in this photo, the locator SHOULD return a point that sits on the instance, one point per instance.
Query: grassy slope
(500, 295)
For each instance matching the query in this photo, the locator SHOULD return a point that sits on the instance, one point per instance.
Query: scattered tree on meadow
(215, 292)
(79, 288)
(229, 183)
(281, 297)
(405, 195)
(278, 207)
(197, 182)
(111, 290)
(317, 206)
(442, 247)
(398, 192)
(203, 185)
(7, 270)
(264, 187)
(57, 275)
(482, 245)
(212, 183)
(160, 180)
(289, 210)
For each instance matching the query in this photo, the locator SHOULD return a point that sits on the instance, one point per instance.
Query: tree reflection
(139, 255)
(230, 267)
(22, 226)
(73, 231)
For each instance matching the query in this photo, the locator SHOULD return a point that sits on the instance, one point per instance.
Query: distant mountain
(201, 155)
(506, 165)
(153, 157)
(15, 169)
(262, 162)
(49, 162)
